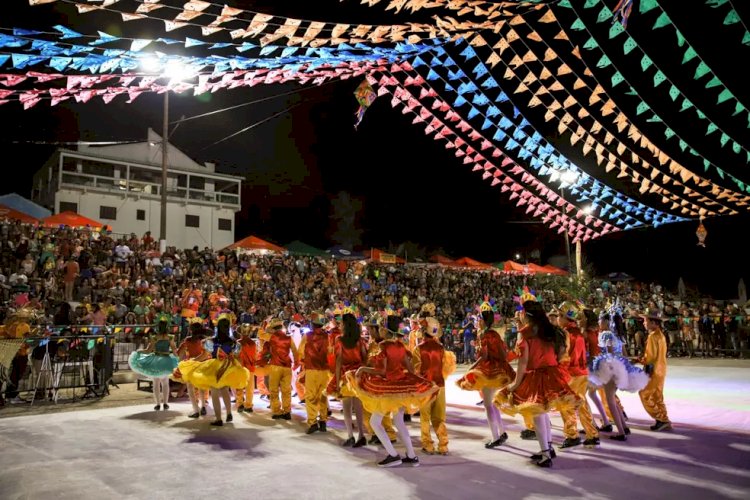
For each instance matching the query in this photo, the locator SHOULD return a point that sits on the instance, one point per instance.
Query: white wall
(208, 234)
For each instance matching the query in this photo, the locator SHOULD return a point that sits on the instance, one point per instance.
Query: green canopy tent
(299, 248)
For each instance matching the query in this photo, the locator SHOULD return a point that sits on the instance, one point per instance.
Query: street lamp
(176, 72)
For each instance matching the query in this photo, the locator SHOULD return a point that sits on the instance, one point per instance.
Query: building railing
(140, 188)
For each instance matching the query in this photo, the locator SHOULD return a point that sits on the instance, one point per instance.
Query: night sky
(406, 186)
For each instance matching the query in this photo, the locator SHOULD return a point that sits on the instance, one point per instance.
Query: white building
(120, 185)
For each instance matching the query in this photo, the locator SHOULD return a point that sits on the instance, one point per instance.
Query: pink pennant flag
(485, 175)
(495, 181)
(464, 126)
(521, 201)
(507, 161)
(460, 153)
(133, 94)
(56, 100)
(504, 188)
(476, 167)
(485, 145)
(459, 142)
(468, 160)
(5, 93)
(496, 153)
(12, 80)
(417, 119)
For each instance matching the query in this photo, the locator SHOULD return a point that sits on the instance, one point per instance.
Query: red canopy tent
(514, 267)
(442, 260)
(254, 244)
(71, 219)
(7, 213)
(473, 264)
(380, 256)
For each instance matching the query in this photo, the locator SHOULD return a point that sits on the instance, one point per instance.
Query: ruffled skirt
(541, 390)
(496, 375)
(346, 391)
(152, 365)
(607, 368)
(214, 373)
(382, 395)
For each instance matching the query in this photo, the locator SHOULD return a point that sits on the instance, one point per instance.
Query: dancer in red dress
(351, 353)
(392, 386)
(489, 373)
(541, 385)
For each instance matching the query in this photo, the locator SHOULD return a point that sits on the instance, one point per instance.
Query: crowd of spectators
(125, 280)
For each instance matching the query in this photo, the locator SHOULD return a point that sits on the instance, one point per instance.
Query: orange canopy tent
(554, 270)
(442, 260)
(473, 264)
(514, 267)
(71, 219)
(7, 213)
(253, 244)
(380, 256)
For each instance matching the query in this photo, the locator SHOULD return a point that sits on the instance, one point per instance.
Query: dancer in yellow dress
(655, 362)
(219, 374)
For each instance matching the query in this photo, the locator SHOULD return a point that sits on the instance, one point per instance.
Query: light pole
(164, 144)
(566, 178)
(175, 71)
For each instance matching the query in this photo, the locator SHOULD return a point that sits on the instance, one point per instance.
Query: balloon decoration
(566, 106)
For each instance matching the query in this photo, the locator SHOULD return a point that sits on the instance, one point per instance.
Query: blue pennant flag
(473, 112)
(60, 63)
(502, 97)
(192, 42)
(67, 32)
(499, 136)
(25, 32)
(480, 70)
(524, 154)
(493, 110)
(449, 87)
(289, 51)
(417, 62)
(468, 53)
(168, 41)
(480, 100)
(3, 59)
(246, 46)
(432, 75)
(11, 41)
(104, 38)
(489, 83)
(487, 124)
(220, 45)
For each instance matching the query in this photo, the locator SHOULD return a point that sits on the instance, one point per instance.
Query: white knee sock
(489, 410)
(348, 416)
(403, 432)
(376, 422)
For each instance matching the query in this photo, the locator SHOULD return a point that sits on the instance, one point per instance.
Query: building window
(140, 214)
(68, 206)
(109, 213)
(192, 221)
(225, 224)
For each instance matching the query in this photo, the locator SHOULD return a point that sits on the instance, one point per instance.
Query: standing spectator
(72, 271)
(469, 341)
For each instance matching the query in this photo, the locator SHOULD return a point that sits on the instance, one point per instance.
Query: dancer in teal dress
(158, 362)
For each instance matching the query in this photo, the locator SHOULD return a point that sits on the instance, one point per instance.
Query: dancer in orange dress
(489, 373)
(392, 386)
(541, 384)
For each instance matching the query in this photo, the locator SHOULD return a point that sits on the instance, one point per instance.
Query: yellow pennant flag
(529, 79)
(508, 74)
(654, 173)
(516, 61)
(545, 73)
(556, 86)
(569, 101)
(548, 17)
(620, 148)
(562, 36)
(582, 113)
(579, 84)
(608, 138)
(564, 69)
(529, 57)
(501, 45)
(549, 55)
(521, 88)
(596, 127)
(534, 36)
(534, 102)
(493, 59)
(574, 138)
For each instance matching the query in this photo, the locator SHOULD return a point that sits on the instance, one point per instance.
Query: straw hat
(431, 327)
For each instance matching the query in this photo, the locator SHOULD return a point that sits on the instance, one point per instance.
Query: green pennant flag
(736, 147)
(590, 44)
(746, 38)
(655, 119)
(603, 61)
(690, 54)
(604, 15)
(748, 157)
(711, 128)
(714, 82)
(617, 79)
(683, 145)
(725, 95)
(647, 5)
(646, 62)
(661, 21)
(702, 70)
(578, 25)
(724, 139)
(631, 91)
(720, 172)
(706, 164)
(590, 3)
(732, 17)
(615, 29)
(685, 104)
(642, 108)
(700, 114)
(565, 3)
(738, 108)
(668, 133)
(716, 3)
(674, 92)
(680, 39)
(629, 45)
(659, 77)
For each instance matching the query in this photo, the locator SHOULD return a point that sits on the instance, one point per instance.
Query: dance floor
(135, 452)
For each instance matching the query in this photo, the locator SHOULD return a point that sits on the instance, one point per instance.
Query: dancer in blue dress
(157, 361)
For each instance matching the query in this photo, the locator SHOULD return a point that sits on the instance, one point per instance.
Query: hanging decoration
(365, 96)
(701, 233)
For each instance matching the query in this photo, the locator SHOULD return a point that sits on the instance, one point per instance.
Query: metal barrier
(54, 367)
